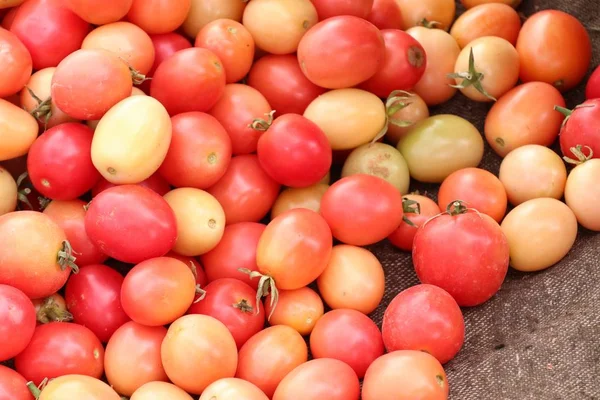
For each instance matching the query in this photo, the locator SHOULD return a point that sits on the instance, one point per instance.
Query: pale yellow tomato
(416, 111)
(439, 12)
(582, 193)
(532, 171)
(490, 19)
(200, 220)
(233, 389)
(78, 387)
(540, 233)
(308, 197)
(160, 391)
(18, 131)
(93, 124)
(299, 309)
(131, 140)
(349, 117)
(203, 12)
(8, 192)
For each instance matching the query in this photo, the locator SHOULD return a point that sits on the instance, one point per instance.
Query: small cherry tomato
(232, 389)
(19, 321)
(19, 131)
(592, 88)
(8, 192)
(418, 209)
(438, 13)
(12, 385)
(578, 130)
(308, 197)
(159, 390)
(16, 64)
(158, 16)
(413, 110)
(386, 14)
(100, 13)
(582, 194)
(488, 19)
(203, 12)
(299, 309)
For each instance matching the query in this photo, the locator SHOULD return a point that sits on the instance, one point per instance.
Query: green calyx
(471, 78)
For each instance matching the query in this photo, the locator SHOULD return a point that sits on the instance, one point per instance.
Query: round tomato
(435, 13)
(160, 390)
(418, 210)
(19, 130)
(203, 12)
(155, 182)
(18, 322)
(158, 16)
(333, 8)
(76, 386)
(592, 88)
(299, 309)
(52, 309)
(165, 45)
(582, 194)
(233, 389)
(308, 197)
(16, 64)
(100, 13)
(413, 109)
(12, 385)
(8, 192)
(488, 19)
(578, 129)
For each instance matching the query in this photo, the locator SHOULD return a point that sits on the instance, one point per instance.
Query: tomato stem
(201, 294)
(50, 311)
(266, 285)
(564, 111)
(66, 258)
(471, 78)
(43, 111)
(35, 391)
(457, 207)
(244, 306)
(262, 125)
(579, 154)
(429, 24)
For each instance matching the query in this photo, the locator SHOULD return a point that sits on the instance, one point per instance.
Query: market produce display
(190, 190)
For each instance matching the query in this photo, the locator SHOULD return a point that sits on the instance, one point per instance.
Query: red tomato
(190, 80)
(404, 65)
(335, 64)
(234, 304)
(283, 84)
(18, 322)
(349, 208)
(165, 45)
(13, 386)
(294, 151)
(15, 64)
(580, 129)
(386, 14)
(158, 16)
(93, 298)
(61, 348)
(404, 236)
(333, 8)
(199, 153)
(131, 224)
(349, 336)
(49, 30)
(464, 252)
(156, 183)
(592, 89)
(100, 13)
(245, 192)
(426, 318)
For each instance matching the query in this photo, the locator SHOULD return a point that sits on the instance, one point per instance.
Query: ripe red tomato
(16, 64)
(49, 30)
(13, 386)
(99, 13)
(61, 348)
(592, 89)
(404, 236)
(451, 264)
(335, 64)
(190, 80)
(349, 336)
(18, 322)
(119, 217)
(404, 65)
(93, 298)
(386, 14)
(359, 222)
(425, 318)
(580, 129)
(158, 16)
(156, 183)
(234, 304)
(165, 45)
(333, 8)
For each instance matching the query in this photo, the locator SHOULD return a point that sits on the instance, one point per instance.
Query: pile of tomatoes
(192, 143)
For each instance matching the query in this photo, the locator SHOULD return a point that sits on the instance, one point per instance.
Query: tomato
(441, 47)
(592, 88)
(8, 192)
(348, 336)
(61, 348)
(286, 350)
(165, 45)
(308, 197)
(133, 357)
(19, 321)
(554, 47)
(281, 80)
(540, 233)
(99, 13)
(203, 12)
(19, 130)
(158, 16)
(417, 209)
(13, 386)
(78, 386)
(245, 192)
(581, 193)
(578, 129)
(194, 266)
(473, 3)
(525, 115)
(439, 13)
(233, 389)
(49, 31)
(16, 64)
(333, 8)
(450, 265)
(155, 183)
(299, 309)
(160, 390)
(488, 19)
(341, 63)
(405, 375)
(386, 14)
(52, 309)
(546, 174)
(319, 379)
(413, 109)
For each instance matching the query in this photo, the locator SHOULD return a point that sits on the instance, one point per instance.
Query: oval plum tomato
(579, 129)
(190, 80)
(99, 13)
(540, 233)
(286, 349)
(404, 65)
(12, 385)
(19, 130)
(333, 8)
(592, 88)
(582, 194)
(95, 291)
(440, 13)
(554, 47)
(16, 64)
(283, 84)
(158, 16)
(19, 321)
(417, 209)
(88, 93)
(49, 30)
(236, 249)
(386, 14)
(155, 182)
(232, 43)
(119, 217)
(425, 318)
(299, 309)
(165, 45)
(343, 63)
(132, 357)
(405, 375)
(52, 309)
(359, 222)
(61, 348)
(233, 389)
(525, 115)
(450, 264)
(308, 197)
(203, 12)
(158, 291)
(474, 3)
(348, 336)
(488, 19)
(60, 163)
(245, 192)
(234, 304)
(78, 386)
(8, 192)
(160, 390)
(434, 86)
(197, 351)
(320, 379)
(37, 259)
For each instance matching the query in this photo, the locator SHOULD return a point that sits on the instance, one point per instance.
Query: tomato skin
(489, 19)
(474, 3)
(386, 14)
(13, 386)
(581, 194)
(155, 182)
(78, 386)
(328, 8)
(404, 236)
(19, 321)
(61, 348)
(165, 45)
(158, 16)
(299, 309)
(592, 88)
(308, 197)
(194, 266)
(19, 131)
(344, 63)
(99, 13)
(16, 64)
(440, 11)
(160, 390)
(118, 217)
(580, 130)
(348, 336)
(203, 12)
(8, 192)
(233, 389)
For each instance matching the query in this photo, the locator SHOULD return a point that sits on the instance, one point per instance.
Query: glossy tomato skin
(19, 321)
(581, 130)
(581, 194)
(19, 132)
(158, 16)
(328, 8)
(93, 298)
(165, 45)
(299, 309)
(13, 386)
(592, 88)
(233, 388)
(155, 182)
(491, 19)
(118, 217)
(100, 13)
(404, 236)
(61, 348)
(16, 64)
(344, 63)
(386, 14)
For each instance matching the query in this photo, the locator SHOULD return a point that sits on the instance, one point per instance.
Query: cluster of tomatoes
(156, 136)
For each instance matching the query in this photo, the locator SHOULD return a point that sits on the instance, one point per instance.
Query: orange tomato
(158, 16)
(77, 387)
(18, 131)
(100, 12)
(415, 13)
(290, 198)
(474, 3)
(488, 19)
(160, 391)
(232, 389)
(8, 192)
(15, 64)
(203, 12)
(299, 309)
